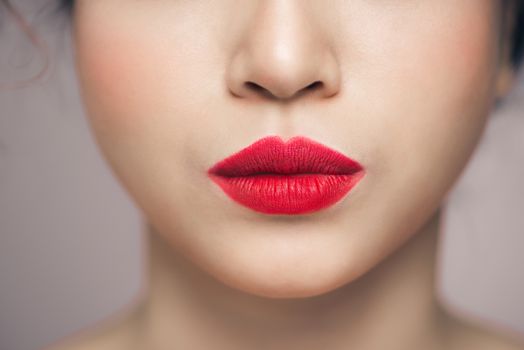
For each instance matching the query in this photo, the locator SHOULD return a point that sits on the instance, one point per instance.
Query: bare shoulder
(468, 334)
(114, 333)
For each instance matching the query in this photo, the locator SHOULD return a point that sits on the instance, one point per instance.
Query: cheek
(422, 85)
(454, 80)
(144, 94)
(109, 79)
(120, 77)
(437, 85)
(135, 78)
(448, 58)
(458, 66)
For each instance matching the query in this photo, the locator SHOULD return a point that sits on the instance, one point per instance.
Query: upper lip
(271, 155)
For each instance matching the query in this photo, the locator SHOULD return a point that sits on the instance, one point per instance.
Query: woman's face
(405, 89)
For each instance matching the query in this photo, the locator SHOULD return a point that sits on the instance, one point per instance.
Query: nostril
(257, 88)
(260, 89)
(254, 86)
(315, 85)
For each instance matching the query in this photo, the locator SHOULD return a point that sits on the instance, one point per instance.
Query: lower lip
(288, 194)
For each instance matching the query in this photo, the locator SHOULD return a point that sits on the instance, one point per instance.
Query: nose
(283, 55)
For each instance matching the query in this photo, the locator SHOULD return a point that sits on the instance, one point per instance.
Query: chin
(290, 290)
(282, 286)
(285, 276)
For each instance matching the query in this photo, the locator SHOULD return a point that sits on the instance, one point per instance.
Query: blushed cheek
(439, 82)
(116, 78)
(139, 83)
(445, 74)
(462, 53)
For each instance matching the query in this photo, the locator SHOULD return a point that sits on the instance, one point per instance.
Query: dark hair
(517, 51)
(66, 5)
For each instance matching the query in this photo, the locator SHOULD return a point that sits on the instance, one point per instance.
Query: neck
(392, 306)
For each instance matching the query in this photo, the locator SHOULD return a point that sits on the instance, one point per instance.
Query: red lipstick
(297, 177)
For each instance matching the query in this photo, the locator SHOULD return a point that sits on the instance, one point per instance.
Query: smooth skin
(406, 89)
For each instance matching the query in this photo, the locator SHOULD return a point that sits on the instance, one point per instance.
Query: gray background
(70, 237)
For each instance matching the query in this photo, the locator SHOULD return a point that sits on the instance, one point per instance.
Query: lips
(297, 177)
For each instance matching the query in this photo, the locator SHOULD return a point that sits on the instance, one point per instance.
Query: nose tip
(277, 80)
(282, 56)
